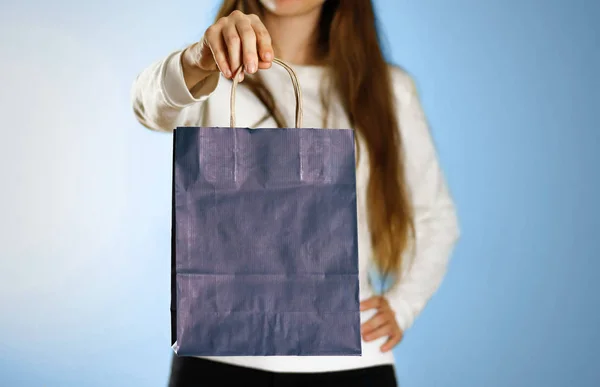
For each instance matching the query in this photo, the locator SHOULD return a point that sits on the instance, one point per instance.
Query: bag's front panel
(292, 230)
(267, 315)
(266, 245)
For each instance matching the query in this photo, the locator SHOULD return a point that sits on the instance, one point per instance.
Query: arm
(161, 94)
(436, 224)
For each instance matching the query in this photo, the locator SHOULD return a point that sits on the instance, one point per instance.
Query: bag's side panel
(173, 249)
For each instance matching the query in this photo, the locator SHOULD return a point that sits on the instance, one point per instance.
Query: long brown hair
(348, 43)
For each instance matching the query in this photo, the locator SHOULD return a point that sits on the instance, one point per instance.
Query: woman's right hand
(232, 41)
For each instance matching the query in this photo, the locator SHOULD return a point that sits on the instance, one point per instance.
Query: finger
(237, 15)
(391, 342)
(236, 62)
(233, 43)
(383, 330)
(264, 65)
(248, 41)
(239, 74)
(373, 323)
(213, 39)
(263, 40)
(371, 303)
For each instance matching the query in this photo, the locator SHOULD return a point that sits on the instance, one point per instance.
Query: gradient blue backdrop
(511, 90)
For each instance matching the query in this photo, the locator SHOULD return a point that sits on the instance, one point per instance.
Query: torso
(251, 113)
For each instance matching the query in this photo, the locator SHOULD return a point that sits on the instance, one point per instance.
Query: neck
(294, 37)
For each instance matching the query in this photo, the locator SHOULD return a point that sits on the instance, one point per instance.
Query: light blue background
(511, 90)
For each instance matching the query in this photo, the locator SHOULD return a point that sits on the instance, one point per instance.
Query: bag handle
(295, 83)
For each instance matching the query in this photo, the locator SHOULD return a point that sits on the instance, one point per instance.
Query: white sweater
(162, 102)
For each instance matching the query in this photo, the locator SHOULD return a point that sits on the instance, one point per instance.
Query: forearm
(160, 94)
(434, 243)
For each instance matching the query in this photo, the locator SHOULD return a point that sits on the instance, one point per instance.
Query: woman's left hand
(383, 323)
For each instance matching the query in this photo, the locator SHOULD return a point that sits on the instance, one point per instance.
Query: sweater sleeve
(436, 224)
(161, 98)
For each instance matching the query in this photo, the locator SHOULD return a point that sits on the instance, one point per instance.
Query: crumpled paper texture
(265, 254)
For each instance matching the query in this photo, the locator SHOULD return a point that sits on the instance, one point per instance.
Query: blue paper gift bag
(264, 241)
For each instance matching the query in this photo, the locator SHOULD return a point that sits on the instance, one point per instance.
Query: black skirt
(195, 372)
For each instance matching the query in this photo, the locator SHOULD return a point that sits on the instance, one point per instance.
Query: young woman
(407, 222)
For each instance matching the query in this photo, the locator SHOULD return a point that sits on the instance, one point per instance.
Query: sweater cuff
(174, 88)
(403, 314)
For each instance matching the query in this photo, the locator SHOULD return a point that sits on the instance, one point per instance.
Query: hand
(383, 323)
(232, 41)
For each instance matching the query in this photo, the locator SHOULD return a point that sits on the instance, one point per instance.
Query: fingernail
(228, 73)
(268, 56)
(251, 67)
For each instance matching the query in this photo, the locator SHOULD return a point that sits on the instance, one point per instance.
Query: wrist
(192, 74)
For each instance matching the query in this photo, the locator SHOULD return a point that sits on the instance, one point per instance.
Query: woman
(407, 223)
